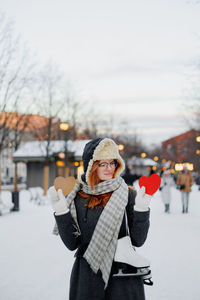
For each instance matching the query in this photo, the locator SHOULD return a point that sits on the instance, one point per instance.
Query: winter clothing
(100, 251)
(166, 184)
(99, 149)
(142, 200)
(58, 201)
(85, 284)
(185, 201)
(185, 178)
(94, 231)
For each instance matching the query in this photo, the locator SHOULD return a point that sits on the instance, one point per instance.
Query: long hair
(97, 200)
(93, 177)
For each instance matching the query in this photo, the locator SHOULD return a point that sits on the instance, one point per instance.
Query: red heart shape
(151, 183)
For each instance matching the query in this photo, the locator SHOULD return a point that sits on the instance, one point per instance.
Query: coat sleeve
(138, 222)
(178, 180)
(66, 228)
(191, 180)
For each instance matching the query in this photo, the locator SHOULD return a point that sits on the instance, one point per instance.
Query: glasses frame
(113, 165)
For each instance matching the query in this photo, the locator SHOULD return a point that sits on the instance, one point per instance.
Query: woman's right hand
(58, 201)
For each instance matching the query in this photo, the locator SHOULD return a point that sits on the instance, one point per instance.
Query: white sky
(132, 58)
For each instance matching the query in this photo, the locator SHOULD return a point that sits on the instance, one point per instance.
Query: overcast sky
(132, 58)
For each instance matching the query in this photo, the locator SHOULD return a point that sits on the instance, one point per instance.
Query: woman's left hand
(142, 200)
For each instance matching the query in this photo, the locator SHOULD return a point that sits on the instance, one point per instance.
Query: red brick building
(182, 148)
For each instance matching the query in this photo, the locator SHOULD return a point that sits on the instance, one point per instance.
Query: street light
(197, 151)
(64, 126)
(61, 155)
(198, 139)
(120, 147)
(143, 154)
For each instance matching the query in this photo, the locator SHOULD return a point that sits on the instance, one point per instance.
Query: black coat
(84, 283)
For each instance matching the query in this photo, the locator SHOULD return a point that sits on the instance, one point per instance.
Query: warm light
(155, 158)
(154, 168)
(190, 167)
(64, 126)
(61, 155)
(76, 163)
(198, 139)
(120, 147)
(80, 170)
(143, 155)
(60, 163)
(178, 167)
(197, 151)
(163, 160)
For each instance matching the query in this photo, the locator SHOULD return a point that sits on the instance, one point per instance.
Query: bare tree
(90, 122)
(15, 76)
(49, 95)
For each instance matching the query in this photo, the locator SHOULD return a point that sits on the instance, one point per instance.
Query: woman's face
(106, 169)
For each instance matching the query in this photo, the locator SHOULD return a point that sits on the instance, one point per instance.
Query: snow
(142, 162)
(35, 264)
(38, 148)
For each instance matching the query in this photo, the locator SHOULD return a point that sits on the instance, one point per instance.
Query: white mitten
(58, 201)
(142, 200)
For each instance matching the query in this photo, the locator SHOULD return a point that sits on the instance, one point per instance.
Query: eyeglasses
(113, 164)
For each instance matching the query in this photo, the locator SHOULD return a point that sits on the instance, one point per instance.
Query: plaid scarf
(101, 249)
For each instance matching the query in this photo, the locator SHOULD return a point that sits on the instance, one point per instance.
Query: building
(17, 129)
(183, 148)
(64, 159)
(141, 166)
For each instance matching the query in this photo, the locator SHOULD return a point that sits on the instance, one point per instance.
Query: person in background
(184, 182)
(129, 178)
(166, 183)
(92, 218)
(197, 181)
(152, 171)
(175, 176)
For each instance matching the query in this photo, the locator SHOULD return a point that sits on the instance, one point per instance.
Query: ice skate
(125, 253)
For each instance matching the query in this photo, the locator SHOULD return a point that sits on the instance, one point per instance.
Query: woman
(91, 220)
(185, 181)
(166, 183)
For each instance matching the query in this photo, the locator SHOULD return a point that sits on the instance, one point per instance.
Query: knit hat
(100, 149)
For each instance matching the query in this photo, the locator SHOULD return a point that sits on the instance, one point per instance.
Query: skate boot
(125, 253)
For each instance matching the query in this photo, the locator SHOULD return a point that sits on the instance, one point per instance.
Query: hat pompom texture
(106, 149)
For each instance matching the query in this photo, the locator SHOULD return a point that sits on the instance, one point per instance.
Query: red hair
(93, 177)
(96, 200)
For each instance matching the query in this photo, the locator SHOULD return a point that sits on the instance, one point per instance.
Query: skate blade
(140, 272)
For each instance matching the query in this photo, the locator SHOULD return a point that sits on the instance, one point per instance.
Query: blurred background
(71, 71)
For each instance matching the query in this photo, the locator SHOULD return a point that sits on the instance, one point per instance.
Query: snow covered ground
(34, 264)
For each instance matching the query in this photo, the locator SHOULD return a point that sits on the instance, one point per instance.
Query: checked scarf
(101, 249)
